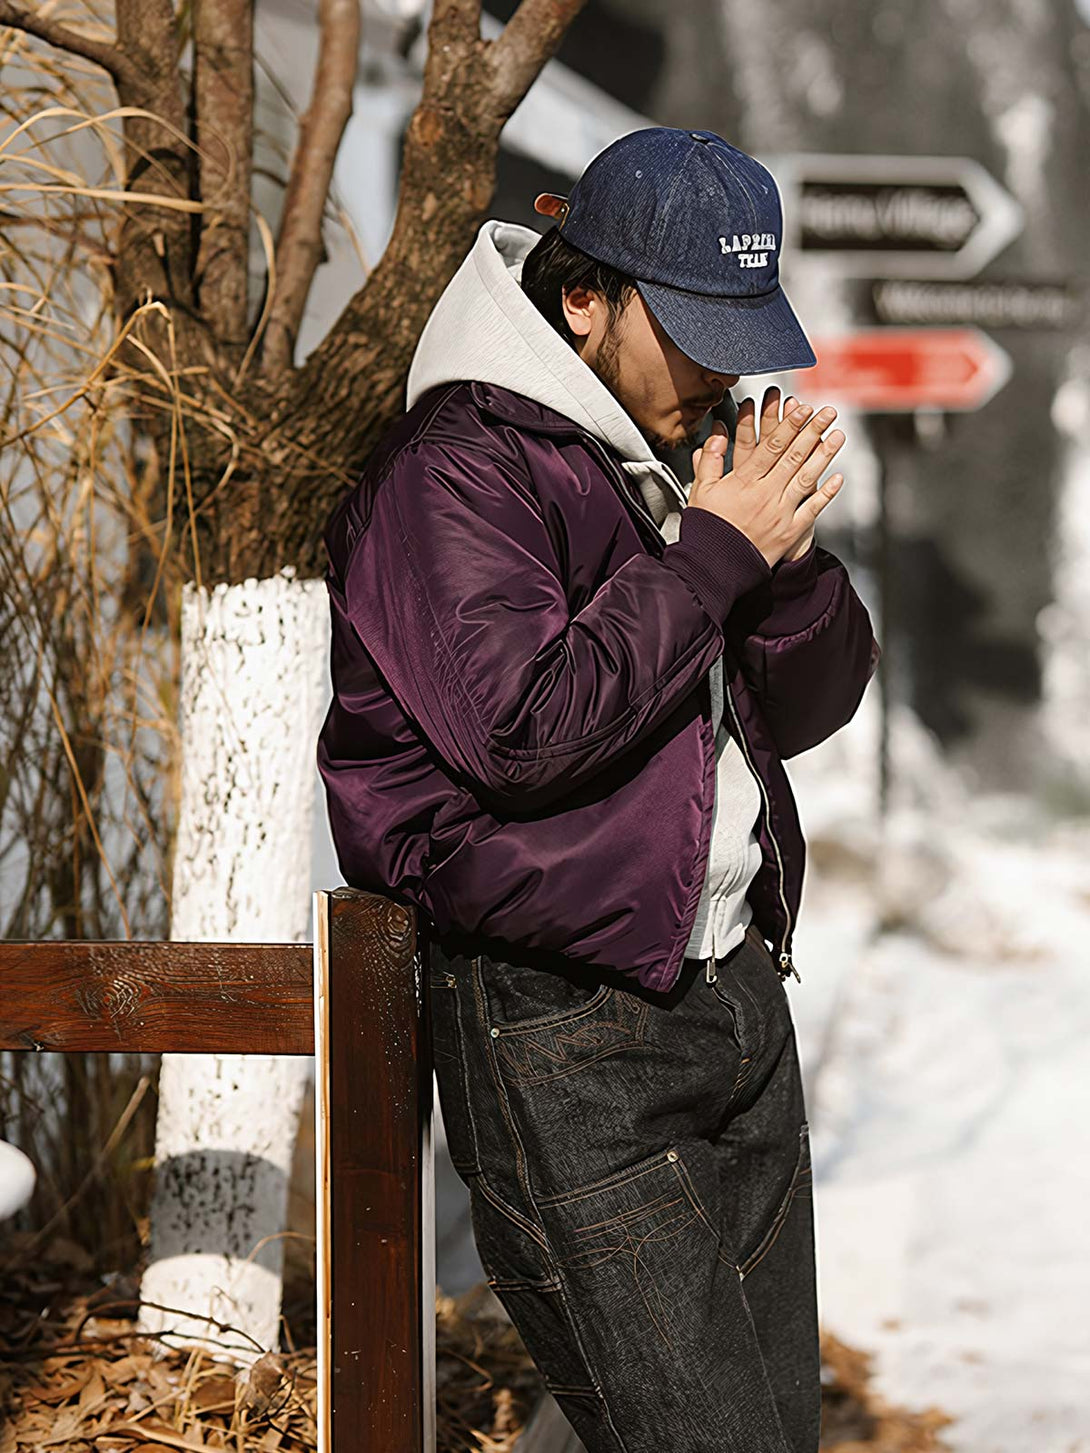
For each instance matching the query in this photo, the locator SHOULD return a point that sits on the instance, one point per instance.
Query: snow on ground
(943, 1021)
(944, 1024)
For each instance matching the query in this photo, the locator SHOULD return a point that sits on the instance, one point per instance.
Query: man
(564, 690)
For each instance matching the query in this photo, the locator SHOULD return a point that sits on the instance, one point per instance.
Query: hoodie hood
(485, 328)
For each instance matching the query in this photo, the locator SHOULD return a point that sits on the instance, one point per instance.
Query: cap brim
(731, 335)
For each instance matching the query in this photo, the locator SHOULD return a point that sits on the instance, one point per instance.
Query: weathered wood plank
(376, 1242)
(143, 996)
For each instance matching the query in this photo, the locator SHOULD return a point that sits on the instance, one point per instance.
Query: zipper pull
(787, 967)
(709, 969)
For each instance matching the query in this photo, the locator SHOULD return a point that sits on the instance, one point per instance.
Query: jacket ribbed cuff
(795, 577)
(716, 560)
(802, 592)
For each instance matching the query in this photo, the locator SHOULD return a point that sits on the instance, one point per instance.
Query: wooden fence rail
(356, 998)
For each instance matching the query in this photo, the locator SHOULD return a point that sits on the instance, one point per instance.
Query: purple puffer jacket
(520, 738)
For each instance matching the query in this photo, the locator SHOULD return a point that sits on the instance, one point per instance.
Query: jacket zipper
(786, 965)
(630, 495)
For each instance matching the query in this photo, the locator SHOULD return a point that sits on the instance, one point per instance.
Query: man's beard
(607, 369)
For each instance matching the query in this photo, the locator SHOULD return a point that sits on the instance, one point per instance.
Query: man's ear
(578, 304)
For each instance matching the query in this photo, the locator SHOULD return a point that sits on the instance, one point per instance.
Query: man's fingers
(708, 461)
(745, 431)
(813, 504)
(808, 474)
(770, 410)
(774, 443)
(800, 449)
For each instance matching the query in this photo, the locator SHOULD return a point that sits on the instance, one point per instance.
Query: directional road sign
(895, 370)
(894, 216)
(991, 303)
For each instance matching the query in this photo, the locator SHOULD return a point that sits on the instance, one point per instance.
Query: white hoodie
(484, 327)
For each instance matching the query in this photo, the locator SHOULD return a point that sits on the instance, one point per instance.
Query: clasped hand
(771, 493)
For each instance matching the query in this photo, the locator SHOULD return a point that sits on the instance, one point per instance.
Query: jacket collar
(521, 410)
(526, 413)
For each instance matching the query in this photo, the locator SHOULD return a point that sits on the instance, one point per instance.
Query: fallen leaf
(262, 1383)
(167, 1438)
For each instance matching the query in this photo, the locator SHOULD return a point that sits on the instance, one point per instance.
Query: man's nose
(720, 382)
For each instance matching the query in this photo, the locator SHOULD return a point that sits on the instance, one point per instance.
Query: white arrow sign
(894, 216)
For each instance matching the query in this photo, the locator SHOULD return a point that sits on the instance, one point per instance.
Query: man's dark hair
(553, 264)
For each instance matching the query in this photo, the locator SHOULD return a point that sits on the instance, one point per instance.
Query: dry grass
(75, 1375)
(89, 619)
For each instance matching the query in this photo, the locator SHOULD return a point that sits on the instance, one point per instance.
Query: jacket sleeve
(454, 588)
(805, 644)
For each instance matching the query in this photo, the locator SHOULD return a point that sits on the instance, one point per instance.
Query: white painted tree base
(252, 701)
(17, 1178)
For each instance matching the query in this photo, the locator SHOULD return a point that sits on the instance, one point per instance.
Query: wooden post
(376, 1231)
(357, 1000)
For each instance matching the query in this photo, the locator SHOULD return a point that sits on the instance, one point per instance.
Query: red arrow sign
(892, 370)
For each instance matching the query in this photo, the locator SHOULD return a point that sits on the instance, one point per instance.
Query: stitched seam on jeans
(798, 1178)
(636, 1039)
(619, 1178)
(502, 1283)
(623, 1217)
(681, 1170)
(546, 1075)
(590, 1367)
(770, 1239)
(499, 1204)
(509, 1029)
(463, 1070)
(501, 1089)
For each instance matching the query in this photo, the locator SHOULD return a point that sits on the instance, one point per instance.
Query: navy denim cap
(698, 225)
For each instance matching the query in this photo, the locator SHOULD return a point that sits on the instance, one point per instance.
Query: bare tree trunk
(260, 452)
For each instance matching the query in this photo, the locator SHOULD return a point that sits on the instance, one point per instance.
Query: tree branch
(299, 244)
(452, 20)
(154, 252)
(223, 63)
(529, 39)
(101, 52)
(352, 386)
(447, 176)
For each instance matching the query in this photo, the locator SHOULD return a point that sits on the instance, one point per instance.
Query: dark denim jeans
(638, 1167)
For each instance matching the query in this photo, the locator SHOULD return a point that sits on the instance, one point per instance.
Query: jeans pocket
(520, 997)
(637, 1246)
(746, 1016)
(575, 1033)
